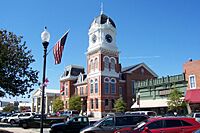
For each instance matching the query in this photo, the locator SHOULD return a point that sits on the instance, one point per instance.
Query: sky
(163, 34)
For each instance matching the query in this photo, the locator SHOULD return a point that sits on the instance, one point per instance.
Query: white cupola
(102, 34)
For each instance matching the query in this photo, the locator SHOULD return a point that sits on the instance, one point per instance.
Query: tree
(120, 105)
(75, 103)
(57, 105)
(9, 108)
(175, 102)
(17, 77)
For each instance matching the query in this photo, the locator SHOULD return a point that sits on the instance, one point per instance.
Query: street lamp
(138, 100)
(45, 36)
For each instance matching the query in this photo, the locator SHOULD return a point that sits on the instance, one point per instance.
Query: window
(96, 101)
(120, 90)
(155, 125)
(96, 86)
(106, 63)
(112, 65)
(76, 91)
(192, 81)
(108, 122)
(186, 123)
(113, 103)
(106, 102)
(81, 91)
(96, 64)
(133, 88)
(91, 86)
(113, 86)
(172, 123)
(91, 65)
(106, 85)
(91, 103)
(66, 91)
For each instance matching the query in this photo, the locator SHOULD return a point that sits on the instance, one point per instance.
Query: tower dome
(103, 19)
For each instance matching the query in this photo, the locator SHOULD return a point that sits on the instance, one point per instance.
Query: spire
(101, 7)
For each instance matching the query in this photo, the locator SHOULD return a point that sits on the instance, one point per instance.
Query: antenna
(101, 7)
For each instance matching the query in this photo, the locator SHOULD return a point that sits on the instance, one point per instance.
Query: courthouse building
(104, 80)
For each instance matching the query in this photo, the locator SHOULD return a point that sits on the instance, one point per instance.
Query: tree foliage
(58, 105)
(175, 102)
(120, 105)
(17, 77)
(75, 103)
(9, 108)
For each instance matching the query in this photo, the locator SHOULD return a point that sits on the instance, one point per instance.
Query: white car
(5, 118)
(16, 117)
(196, 116)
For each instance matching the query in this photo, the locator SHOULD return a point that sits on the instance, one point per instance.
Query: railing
(160, 81)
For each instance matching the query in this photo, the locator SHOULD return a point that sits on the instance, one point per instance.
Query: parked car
(74, 125)
(149, 113)
(111, 123)
(16, 117)
(69, 113)
(196, 131)
(196, 116)
(5, 118)
(35, 121)
(164, 125)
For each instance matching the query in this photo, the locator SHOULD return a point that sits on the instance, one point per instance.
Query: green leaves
(16, 75)
(75, 103)
(58, 105)
(175, 102)
(120, 105)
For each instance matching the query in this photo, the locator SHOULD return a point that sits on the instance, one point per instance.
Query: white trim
(106, 57)
(105, 80)
(113, 79)
(114, 59)
(194, 81)
(145, 66)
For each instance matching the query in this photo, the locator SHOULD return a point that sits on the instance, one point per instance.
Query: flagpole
(57, 41)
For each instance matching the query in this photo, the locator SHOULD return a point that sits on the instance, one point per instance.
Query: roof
(102, 19)
(47, 91)
(132, 68)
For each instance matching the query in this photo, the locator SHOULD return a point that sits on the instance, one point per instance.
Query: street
(16, 129)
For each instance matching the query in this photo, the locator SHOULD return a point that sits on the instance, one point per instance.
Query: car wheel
(12, 122)
(5, 121)
(24, 125)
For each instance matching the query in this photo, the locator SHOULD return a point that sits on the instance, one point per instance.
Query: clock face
(94, 38)
(108, 38)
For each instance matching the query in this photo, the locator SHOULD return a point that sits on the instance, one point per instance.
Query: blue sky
(164, 34)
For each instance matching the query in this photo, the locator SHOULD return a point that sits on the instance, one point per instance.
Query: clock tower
(102, 66)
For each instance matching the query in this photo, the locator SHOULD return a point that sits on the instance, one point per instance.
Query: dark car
(164, 125)
(111, 123)
(35, 121)
(74, 125)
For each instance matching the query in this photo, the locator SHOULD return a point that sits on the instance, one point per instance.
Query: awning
(192, 96)
(150, 103)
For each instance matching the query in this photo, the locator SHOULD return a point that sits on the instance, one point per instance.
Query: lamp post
(138, 100)
(45, 36)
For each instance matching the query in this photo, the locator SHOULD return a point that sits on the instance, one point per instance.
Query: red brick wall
(135, 75)
(192, 68)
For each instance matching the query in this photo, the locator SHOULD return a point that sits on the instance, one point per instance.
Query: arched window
(96, 64)
(106, 63)
(112, 64)
(91, 65)
(106, 85)
(96, 86)
(91, 86)
(113, 86)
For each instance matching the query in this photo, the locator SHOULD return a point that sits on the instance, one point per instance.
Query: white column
(36, 108)
(46, 105)
(32, 107)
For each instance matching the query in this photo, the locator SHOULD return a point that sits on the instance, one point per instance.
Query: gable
(140, 68)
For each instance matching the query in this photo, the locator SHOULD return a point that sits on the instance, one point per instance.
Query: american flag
(58, 48)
